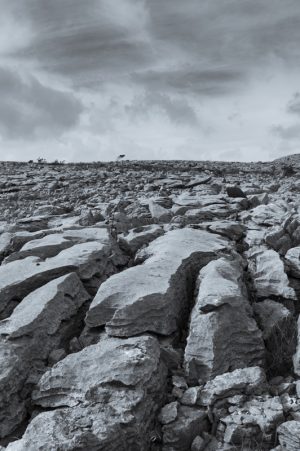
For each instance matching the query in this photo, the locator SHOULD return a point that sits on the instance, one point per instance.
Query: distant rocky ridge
(150, 306)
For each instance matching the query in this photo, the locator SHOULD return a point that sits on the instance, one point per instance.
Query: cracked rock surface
(150, 306)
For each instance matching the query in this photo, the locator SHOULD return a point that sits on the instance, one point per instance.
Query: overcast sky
(87, 80)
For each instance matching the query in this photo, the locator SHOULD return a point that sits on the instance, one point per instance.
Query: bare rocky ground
(150, 306)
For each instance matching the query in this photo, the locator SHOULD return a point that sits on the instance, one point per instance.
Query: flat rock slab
(45, 247)
(197, 201)
(19, 278)
(198, 181)
(53, 243)
(222, 334)
(215, 211)
(153, 296)
(269, 277)
(115, 389)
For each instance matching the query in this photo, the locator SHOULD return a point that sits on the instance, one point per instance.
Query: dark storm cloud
(191, 80)
(231, 31)
(28, 109)
(191, 64)
(90, 39)
(84, 39)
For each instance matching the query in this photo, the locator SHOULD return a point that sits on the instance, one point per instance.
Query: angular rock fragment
(269, 277)
(289, 435)
(230, 229)
(45, 247)
(246, 381)
(158, 212)
(223, 336)
(168, 413)
(5, 244)
(279, 333)
(115, 389)
(154, 296)
(44, 321)
(198, 181)
(278, 240)
(253, 425)
(136, 238)
(189, 200)
(179, 434)
(292, 258)
(43, 314)
(217, 211)
(268, 215)
(17, 279)
(235, 191)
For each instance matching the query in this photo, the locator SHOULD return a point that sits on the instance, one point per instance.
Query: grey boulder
(155, 295)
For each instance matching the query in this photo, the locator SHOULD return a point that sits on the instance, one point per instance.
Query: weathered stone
(154, 296)
(269, 277)
(223, 334)
(12, 378)
(292, 258)
(42, 314)
(17, 279)
(258, 199)
(5, 244)
(53, 243)
(115, 389)
(289, 435)
(235, 191)
(179, 434)
(278, 240)
(41, 323)
(190, 396)
(198, 444)
(168, 413)
(198, 181)
(139, 237)
(279, 333)
(84, 375)
(253, 425)
(158, 212)
(269, 215)
(247, 381)
(230, 229)
(45, 247)
(209, 212)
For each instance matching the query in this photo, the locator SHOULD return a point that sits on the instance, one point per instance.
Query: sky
(151, 79)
